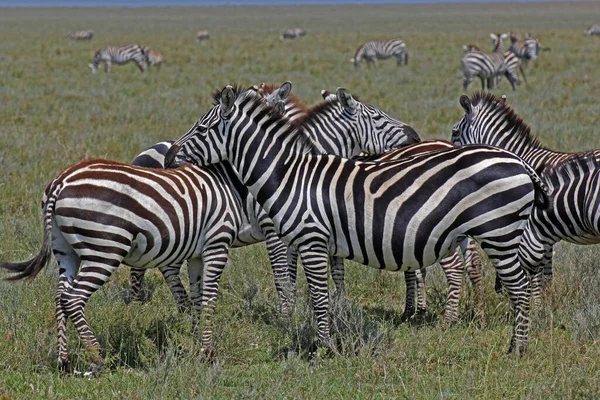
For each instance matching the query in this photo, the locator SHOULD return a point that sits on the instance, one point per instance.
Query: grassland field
(54, 112)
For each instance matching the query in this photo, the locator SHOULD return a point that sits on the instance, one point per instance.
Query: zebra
(202, 35)
(511, 63)
(371, 51)
(81, 35)
(293, 33)
(153, 58)
(484, 65)
(98, 214)
(489, 120)
(394, 215)
(593, 30)
(526, 50)
(119, 55)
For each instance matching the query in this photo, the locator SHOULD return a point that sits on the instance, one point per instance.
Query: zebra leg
(292, 262)
(474, 269)
(140, 65)
(136, 277)
(61, 322)
(490, 83)
(315, 261)
(421, 295)
(410, 278)
(482, 83)
(453, 268)
(107, 65)
(337, 274)
(547, 268)
(171, 275)
(279, 263)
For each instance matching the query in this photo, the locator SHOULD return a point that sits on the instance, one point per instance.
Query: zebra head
(370, 130)
(473, 125)
(93, 68)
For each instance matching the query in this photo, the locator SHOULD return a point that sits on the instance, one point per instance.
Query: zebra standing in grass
(371, 51)
(81, 35)
(394, 215)
(99, 214)
(293, 33)
(202, 35)
(153, 58)
(526, 50)
(593, 30)
(119, 55)
(489, 120)
(511, 63)
(484, 65)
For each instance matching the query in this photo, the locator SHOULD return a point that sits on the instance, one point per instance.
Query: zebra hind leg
(453, 268)
(410, 278)
(278, 256)
(474, 266)
(136, 278)
(337, 274)
(173, 280)
(421, 294)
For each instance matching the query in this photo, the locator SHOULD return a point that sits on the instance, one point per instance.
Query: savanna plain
(54, 112)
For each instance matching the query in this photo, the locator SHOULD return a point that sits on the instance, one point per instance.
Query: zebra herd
(340, 180)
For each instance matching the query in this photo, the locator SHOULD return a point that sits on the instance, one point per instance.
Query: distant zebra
(371, 51)
(99, 214)
(489, 120)
(293, 33)
(526, 50)
(511, 63)
(484, 65)
(394, 215)
(593, 30)
(153, 58)
(202, 35)
(119, 55)
(81, 35)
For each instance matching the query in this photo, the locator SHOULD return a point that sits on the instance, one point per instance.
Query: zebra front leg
(61, 322)
(421, 294)
(140, 65)
(292, 262)
(315, 262)
(107, 65)
(278, 256)
(136, 278)
(453, 268)
(337, 274)
(173, 280)
(410, 279)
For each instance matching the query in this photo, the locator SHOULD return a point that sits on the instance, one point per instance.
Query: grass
(54, 112)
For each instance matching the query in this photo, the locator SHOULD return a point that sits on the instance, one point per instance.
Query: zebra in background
(593, 30)
(99, 214)
(394, 215)
(119, 55)
(511, 63)
(526, 50)
(81, 35)
(484, 65)
(371, 51)
(202, 35)
(293, 33)
(489, 120)
(153, 58)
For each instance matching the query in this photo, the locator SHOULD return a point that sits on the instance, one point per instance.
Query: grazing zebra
(395, 215)
(119, 55)
(202, 35)
(81, 35)
(153, 58)
(526, 50)
(99, 214)
(593, 30)
(489, 120)
(371, 51)
(293, 33)
(484, 65)
(511, 63)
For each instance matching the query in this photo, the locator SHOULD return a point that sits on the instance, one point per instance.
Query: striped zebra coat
(489, 120)
(292, 33)
(484, 65)
(526, 50)
(593, 30)
(384, 49)
(511, 64)
(378, 214)
(119, 55)
(81, 35)
(98, 214)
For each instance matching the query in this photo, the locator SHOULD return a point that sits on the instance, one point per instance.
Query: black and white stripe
(511, 64)
(81, 35)
(593, 30)
(526, 50)
(99, 214)
(400, 215)
(489, 120)
(292, 33)
(384, 49)
(119, 55)
(486, 66)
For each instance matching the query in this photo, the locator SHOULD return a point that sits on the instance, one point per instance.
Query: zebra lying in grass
(395, 215)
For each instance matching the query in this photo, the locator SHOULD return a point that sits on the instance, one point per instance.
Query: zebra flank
(81, 35)
(371, 51)
(394, 215)
(120, 55)
(486, 66)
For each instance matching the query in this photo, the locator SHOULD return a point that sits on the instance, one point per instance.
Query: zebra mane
(293, 99)
(577, 165)
(323, 108)
(257, 103)
(515, 125)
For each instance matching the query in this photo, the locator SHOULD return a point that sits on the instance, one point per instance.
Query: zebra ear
(494, 37)
(284, 90)
(346, 99)
(227, 100)
(466, 104)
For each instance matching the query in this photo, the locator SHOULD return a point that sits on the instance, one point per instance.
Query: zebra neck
(335, 137)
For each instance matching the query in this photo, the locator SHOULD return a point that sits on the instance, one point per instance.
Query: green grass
(54, 112)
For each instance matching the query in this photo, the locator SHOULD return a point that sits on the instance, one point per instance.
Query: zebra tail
(29, 269)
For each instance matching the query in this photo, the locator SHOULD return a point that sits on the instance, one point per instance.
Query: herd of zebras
(339, 180)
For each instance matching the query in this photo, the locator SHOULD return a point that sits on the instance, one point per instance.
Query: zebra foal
(378, 214)
(384, 49)
(119, 55)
